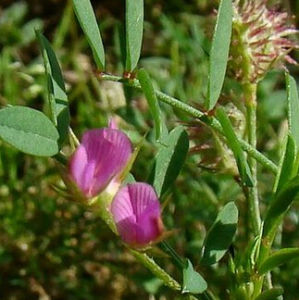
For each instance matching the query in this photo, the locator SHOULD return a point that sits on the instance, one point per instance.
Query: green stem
(254, 209)
(178, 261)
(210, 121)
(156, 270)
(253, 199)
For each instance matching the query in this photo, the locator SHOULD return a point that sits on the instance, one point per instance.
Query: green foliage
(55, 247)
(219, 52)
(221, 234)
(233, 142)
(56, 89)
(279, 206)
(272, 294)
(293, 107)
(153, 104)
(193, 282)
(134, 32)
(278, 258)
(28, 130)
(286, 166)
(169, 160)
(88, 22)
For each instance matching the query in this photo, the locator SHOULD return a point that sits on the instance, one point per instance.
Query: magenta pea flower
(99, 159)
(137, 214)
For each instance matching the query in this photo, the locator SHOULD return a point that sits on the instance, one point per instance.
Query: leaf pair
(134, 31)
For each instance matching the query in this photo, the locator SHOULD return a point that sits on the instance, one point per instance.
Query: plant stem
(210, 121)
(250, 101)
(178, 261)
(156, 270)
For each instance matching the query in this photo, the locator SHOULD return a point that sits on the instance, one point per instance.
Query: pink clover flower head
(100, 157)
(137, 214)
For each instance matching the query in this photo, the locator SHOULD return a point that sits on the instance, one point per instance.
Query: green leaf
(293, 107)
(56, 88)
(193, 282)
(134, 32)
(221, 234)
(28, 130)
(278, 258)
(219, 52)
(170, 159)
(272, 294)
(88, 22)
(152, 101)
(233, 143)
(285, 171)
(279, 206)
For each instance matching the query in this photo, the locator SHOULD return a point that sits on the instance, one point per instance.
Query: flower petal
(77, 164)
(106, 153)
(136, 212)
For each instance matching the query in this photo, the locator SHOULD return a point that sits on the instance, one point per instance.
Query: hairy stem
(156, 270)
(210, 121)
(250, 101)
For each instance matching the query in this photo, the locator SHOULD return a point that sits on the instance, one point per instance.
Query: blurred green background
(51, 248)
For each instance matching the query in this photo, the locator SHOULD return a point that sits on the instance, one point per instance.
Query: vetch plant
(249, 39)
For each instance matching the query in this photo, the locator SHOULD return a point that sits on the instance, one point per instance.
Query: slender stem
(211, 121)
(178, 261)
(253, 198)
(250, 101)
(156, 270)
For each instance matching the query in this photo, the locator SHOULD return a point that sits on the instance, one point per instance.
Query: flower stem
(250, 101)
(210, 121)
(150, 264)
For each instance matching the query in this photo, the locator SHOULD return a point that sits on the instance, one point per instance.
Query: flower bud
(137, 214)
(101, 156)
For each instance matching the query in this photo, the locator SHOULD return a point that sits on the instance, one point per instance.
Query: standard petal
(106, 152)
(121, 207)
(142, 196)
(136, 212)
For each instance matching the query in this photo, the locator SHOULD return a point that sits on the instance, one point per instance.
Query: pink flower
(137, 215)
(100, 157)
